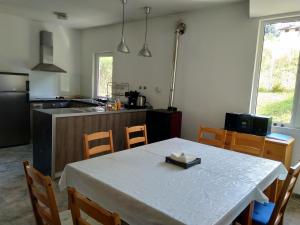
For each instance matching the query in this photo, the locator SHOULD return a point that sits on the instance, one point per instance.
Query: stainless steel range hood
(46, 54)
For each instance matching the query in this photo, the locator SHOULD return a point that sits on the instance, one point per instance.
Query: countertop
(89, 101)
(86, 111)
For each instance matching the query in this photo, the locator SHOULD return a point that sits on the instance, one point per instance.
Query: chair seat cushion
(262, 212)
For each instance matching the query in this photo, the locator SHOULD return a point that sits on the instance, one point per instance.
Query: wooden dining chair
(80, 203)
(248, 144)
(273, 214)
(218, 136)
(136, 140)
(42, 198)
(90, 151)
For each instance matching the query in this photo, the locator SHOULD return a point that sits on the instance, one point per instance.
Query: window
(275, 89)
(104, 72)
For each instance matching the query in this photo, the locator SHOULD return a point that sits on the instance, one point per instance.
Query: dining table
(146, 190)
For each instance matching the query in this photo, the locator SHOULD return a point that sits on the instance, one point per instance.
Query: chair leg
(273, 191)
(246, 216)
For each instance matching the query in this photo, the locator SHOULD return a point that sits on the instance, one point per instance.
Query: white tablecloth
(145, 190)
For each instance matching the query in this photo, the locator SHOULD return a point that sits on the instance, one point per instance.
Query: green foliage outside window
(278, 72)
(105, 75)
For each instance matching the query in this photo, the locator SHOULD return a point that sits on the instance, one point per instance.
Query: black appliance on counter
(14, 109)
(163, 124)
(248, 123)
(133, 103)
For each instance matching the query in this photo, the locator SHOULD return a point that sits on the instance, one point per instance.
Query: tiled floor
(15, 208)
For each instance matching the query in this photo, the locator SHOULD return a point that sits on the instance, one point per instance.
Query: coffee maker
(132, 99)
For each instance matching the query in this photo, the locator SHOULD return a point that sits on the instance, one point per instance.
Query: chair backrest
(247, 143)
(219, 136)
(42, 196)
(78, 202)
(90, 151)
(285, 194)
(136, 140)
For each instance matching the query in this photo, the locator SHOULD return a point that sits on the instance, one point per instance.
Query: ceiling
(90, 13)
(260, 8)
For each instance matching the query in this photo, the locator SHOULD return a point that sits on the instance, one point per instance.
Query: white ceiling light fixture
(122, 47)
(145, 50)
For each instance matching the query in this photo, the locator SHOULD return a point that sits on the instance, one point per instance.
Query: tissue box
(183, 165)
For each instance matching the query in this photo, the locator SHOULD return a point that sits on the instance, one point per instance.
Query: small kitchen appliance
(135, 100)
(132, 97)
(141, 101)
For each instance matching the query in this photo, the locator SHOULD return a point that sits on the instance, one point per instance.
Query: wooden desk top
(288, 142)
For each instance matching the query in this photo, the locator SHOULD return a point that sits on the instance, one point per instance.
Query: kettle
(141, 101)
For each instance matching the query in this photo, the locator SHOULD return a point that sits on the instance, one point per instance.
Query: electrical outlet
(157, 90)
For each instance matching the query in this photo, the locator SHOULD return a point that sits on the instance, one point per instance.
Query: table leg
(273, 191)
(246, 216)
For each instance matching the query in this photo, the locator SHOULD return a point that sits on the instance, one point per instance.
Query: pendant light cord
(146, 33)
(123, 22)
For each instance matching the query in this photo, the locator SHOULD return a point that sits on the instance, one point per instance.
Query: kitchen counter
(43, 100)
(48, 99)
(58, 133)
(89, 101)
(86, 111)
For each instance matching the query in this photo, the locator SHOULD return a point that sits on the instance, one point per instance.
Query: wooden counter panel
(70, 130)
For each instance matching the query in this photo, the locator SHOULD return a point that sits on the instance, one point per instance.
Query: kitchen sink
(90, 109)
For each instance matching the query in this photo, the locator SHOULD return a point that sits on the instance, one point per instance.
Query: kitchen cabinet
(56, 103)
(274, 149)
(163, 124)
(58, 134)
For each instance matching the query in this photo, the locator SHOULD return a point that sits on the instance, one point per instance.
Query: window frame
(96, 70)
(295, 121)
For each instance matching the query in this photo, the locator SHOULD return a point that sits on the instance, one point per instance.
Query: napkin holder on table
(183, 160)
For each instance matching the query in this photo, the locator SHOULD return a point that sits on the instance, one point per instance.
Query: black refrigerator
(14, 109)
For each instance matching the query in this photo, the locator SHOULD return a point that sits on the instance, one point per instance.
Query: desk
(274, 149)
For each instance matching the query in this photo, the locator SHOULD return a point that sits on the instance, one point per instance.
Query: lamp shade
(145, 51)
(122, 47)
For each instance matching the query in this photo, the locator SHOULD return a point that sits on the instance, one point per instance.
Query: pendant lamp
(145, 50)
(122, 47)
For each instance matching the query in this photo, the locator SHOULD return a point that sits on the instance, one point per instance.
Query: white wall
(215, 69)
(19, 52)
(216, 60)
(151, 72)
